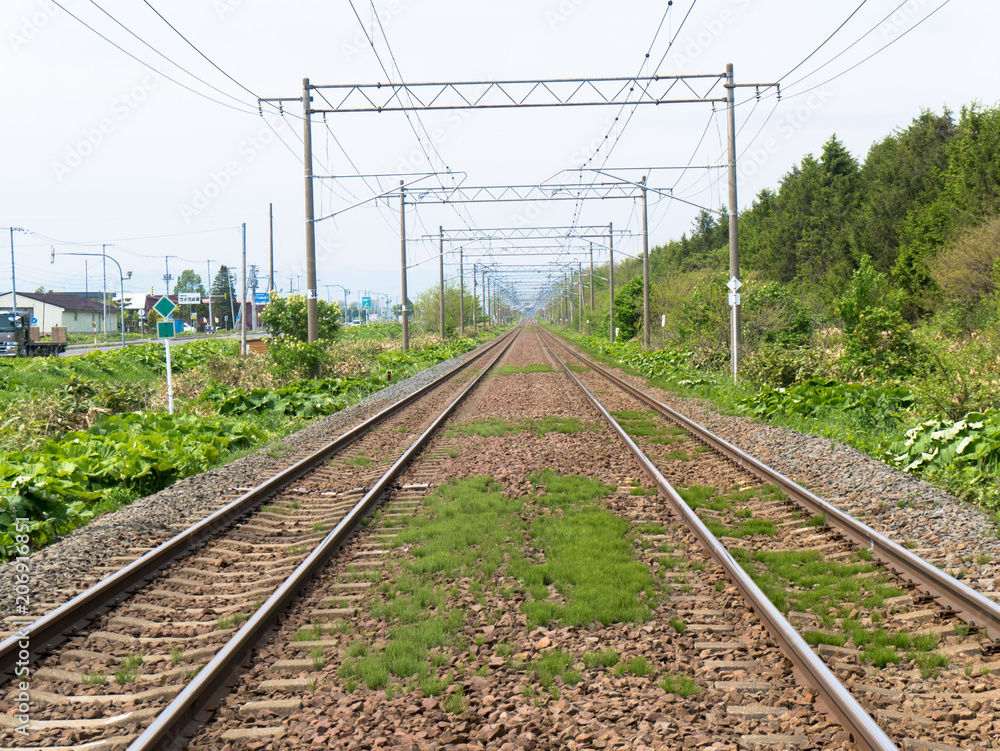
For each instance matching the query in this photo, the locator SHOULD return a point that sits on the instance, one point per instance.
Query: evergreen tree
(224, 300)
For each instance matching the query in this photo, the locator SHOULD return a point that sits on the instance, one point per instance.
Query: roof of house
(62, 300)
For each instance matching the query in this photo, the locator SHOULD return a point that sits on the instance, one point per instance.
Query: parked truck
(19, 340)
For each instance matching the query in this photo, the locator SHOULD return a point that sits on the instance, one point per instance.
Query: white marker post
(167, 329)
(170, 385)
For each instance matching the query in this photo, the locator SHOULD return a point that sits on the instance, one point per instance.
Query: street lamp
(121, 277)
(346, 293)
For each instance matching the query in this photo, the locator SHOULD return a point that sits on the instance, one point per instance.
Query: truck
(19, 340)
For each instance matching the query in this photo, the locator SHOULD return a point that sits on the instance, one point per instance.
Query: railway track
(700, 660)
(207, 584)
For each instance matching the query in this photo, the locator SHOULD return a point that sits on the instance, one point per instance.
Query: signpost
(261, 298)
(189, 298)
(166, 330)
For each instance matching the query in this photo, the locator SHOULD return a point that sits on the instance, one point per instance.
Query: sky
(150, 144)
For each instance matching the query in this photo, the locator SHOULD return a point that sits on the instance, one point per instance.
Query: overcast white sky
(100, 149)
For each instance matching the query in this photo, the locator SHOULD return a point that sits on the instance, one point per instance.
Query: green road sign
(164, 307)
(165, 329)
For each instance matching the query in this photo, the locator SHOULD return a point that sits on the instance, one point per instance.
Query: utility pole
(243, 302)
(312, 305)
(591, 275)
(166, 277)
(13, 280)
(270, 270)
(645, 269)
(475, 317)
(611, 279)
(734, 240)
(484, 296)
(208, 267)
(441, 272)
(579, 281)
(402, 263)
(104, 288)
(253, 291)
(461, 289)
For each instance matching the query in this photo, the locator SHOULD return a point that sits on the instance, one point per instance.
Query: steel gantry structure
(532, 93)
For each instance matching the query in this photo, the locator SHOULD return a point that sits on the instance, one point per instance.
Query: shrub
(877, 339)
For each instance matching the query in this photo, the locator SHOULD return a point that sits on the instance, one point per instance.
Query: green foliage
(628, 309)
(875, 405)
(877, 339)
(57, 486)
(288, 316)
(964, 453)
(774, 365)
(960, 374)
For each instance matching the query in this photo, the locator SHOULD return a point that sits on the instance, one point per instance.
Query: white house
(79, 315)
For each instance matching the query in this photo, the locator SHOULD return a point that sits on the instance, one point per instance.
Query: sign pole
(170, 384)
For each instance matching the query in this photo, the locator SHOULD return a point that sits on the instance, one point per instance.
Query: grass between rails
(470, 532)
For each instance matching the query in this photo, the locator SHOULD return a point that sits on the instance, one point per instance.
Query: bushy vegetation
(870, 305)
(87, 434)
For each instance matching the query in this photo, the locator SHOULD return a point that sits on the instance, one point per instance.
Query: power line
(192, 45)
(147, 65)
(834, 33)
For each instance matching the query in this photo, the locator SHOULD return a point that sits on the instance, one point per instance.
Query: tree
(190, 282)
(223, 295)
(288, 316)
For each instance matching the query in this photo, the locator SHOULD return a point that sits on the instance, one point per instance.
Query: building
(79, 315)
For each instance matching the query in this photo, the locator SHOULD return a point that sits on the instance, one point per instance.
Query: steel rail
(213, 680)
(973, 606)
(81, 608)
(808, 668)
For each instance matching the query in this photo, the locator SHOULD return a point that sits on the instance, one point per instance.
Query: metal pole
(579, 285)
(734, 242)
(243, 302)
(569, 296)
(122, 302)
(270, 220)
(441, 270)
(13, 280)
(104, 286)
(232, 302)
(645, 269)
(484, 296)
(475, 318)
(461, 289)
(312, 305)
(591, 275)
(211, 318)
(611, 280)
(345, 304)
(402, 263)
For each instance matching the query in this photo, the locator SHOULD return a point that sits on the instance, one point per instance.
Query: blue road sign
(261, 298)
(366, 303)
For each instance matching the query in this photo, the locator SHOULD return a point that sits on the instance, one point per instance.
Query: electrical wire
(147, 65)
(195, 48)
